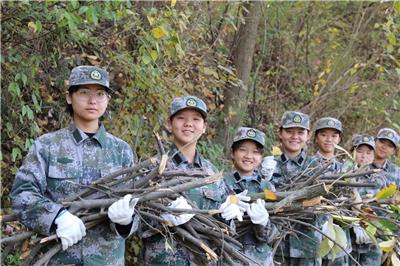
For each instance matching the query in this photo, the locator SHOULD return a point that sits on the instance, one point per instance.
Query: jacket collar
(79, 136)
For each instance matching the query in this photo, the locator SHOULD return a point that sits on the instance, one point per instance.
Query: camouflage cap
(328, 122)
(244, 133)
(82, 75)
(389, 134)
(360, 139)
(295, 119)
(187, 102)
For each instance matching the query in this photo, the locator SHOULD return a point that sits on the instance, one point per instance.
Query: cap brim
(246, 138)
(91, 82)
(295, 125)
(201, 111)
(396, 146)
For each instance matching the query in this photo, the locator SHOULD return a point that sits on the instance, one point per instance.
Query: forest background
(250, 62)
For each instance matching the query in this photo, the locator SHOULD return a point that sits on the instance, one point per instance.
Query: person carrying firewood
(247, 152)
(186, 123)
(364, 250)
(295, 165)
(62, 163)
(327, 135)
(387, 144)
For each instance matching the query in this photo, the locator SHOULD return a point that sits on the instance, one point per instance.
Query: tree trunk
(235, 103)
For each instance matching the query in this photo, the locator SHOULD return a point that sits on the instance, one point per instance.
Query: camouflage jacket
(377, 178)
(206, 197)
(392, 172)
(286, 170)
(255, 243)
(60, 164)
(335, 166)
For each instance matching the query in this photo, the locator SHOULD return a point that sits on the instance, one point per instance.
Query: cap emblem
(191, 102)
(297, 119)
(95, 75)
(331, 123)
(251, 133)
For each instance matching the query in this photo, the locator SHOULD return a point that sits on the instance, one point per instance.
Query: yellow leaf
(158, 32)
(387, 246)
(386, 192)
(269, 195)
(154, 55)
(316, 90)
(150, 19)
(340, 239)
(322, 81)
(276, 151)
(32, 25)
(173, 3)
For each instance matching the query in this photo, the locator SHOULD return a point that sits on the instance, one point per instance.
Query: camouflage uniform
(367, 254)
(334, 167)
(255, 244)
(205, 197)
(391, 170)
(58, 165)
(297, 250)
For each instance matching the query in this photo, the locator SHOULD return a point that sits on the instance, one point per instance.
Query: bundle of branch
(317, 194)
(156, 183)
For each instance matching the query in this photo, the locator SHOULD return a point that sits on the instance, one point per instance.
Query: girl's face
(246, 157)
(89, 102)
(326, 139)
(384, 149)
(364, 155)
(293, 139)
(186, 126)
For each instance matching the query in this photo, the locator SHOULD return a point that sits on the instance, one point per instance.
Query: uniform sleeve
(28, 195)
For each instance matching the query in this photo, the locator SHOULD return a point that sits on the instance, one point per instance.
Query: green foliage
(13, 260)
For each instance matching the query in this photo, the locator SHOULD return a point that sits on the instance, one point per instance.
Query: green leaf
(386, 192)
(38, 26)
(392, 38)
(15, 154)
(397, 7)
(146, 59)
(324, 248)
(154, 55)
(341, 241)
(14, 89)
(24, 79)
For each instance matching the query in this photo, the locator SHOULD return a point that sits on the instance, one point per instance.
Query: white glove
(235, 206)
(267, 167)
(361, 235)
(175, 220)
(122, 210)
(257, 212)
(70, 229)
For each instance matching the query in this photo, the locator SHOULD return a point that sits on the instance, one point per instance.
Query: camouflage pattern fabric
(295, 119)
(389, 134)
(391, 172)
(335, 166)
(256, 243)
(358, 140)
(83, 75)
(368, 254)
(57, 166)
(188, 102)
(206, 197)
(248, 133)
(328, 122)
(297, 250)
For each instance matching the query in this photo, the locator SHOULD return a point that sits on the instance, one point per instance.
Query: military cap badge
(95, 75)
(297, 119)
(366, 139)
(251, 133)
(191, 102)
(331, 123)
